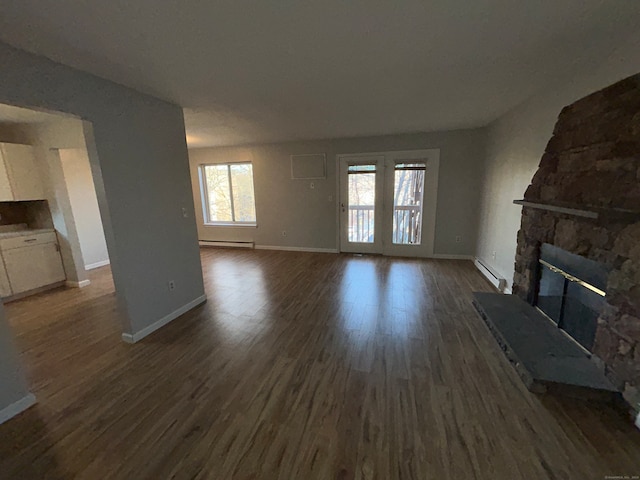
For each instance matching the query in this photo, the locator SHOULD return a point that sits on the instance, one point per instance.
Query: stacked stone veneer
(592, 163)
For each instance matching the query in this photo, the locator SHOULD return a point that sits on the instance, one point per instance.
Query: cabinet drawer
(28, 240)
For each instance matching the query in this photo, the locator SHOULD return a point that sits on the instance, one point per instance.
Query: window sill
(230, 224)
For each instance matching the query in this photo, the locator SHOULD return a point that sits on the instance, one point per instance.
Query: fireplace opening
(571, 292)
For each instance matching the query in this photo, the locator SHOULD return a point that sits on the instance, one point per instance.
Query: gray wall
(47, 138)
(51, 139)
(84, 205)
(515, 146)
(61, 213)
(310, 218)
(142, 170)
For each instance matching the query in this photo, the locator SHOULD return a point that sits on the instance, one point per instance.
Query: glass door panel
(408, 192)
(361, 181)
(362, 201)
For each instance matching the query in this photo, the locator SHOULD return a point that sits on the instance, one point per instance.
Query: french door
(388, 202)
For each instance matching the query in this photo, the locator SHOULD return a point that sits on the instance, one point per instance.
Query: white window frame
(204, 200)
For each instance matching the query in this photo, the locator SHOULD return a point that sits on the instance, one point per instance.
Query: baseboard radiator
(496, 281)
(211, 243)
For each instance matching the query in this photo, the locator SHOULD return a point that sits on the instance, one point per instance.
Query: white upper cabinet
(19, 175)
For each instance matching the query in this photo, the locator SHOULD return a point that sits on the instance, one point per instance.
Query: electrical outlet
(458, 238)
(493, 255)
(284, 233)
(171, 284)
(330, 198)
(185, 213)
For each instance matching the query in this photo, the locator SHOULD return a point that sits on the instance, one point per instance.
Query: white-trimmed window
(227, 194)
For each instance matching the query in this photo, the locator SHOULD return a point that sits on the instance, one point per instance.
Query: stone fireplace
(584, 203)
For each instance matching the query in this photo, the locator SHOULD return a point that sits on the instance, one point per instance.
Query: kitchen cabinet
(19, 174)
(32, 261)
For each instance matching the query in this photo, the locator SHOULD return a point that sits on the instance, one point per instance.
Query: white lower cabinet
(31, 262)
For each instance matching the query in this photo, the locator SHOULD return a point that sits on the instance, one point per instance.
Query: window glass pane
(411, 166)
(219, 201)
(244, 205)
(361, 168)
(407, 203)
(362, 197)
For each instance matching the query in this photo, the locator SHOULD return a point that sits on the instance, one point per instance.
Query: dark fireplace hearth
(546, 359)
(571, 292)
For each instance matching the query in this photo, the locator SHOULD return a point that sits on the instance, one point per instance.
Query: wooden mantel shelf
(585, 212)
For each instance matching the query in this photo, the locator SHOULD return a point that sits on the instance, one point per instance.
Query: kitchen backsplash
(34, 213)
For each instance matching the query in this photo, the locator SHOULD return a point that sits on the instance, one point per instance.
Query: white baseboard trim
(136, 337)
(638, 421)
(211, 243)
(497, 281)
(91, 266)
(80, 284)
(296, 249)
(446, 256)
(17, 407)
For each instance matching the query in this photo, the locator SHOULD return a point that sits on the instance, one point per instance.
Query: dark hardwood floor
(300, 366)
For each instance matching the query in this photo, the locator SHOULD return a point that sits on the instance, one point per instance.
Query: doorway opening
(55, 278)
(388, 202)
(51, 231)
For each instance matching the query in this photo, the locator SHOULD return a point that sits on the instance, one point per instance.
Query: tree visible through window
(408, 191)
(227, 191)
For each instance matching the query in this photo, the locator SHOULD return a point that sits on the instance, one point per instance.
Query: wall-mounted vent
(313, 165)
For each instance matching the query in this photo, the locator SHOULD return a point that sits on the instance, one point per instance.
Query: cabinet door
(33, 267)
(5, 287)
(6, 194)
(23, 173)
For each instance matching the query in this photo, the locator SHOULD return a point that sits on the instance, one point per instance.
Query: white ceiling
(264, 71)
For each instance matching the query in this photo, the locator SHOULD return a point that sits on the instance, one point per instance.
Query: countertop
(25, 233)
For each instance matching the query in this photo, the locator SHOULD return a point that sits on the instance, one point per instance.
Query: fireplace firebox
(571, 292)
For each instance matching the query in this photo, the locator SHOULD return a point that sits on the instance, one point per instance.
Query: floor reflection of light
(359, 288)
(361, 281)
(240, 297)
(381, 298)
(402, 296)
(359, 298)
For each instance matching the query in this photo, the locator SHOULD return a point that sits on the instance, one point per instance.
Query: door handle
(342, 206)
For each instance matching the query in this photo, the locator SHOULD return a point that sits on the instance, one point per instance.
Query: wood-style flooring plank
(299, 366)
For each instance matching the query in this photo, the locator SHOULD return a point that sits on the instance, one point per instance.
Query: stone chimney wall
(592, 164)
